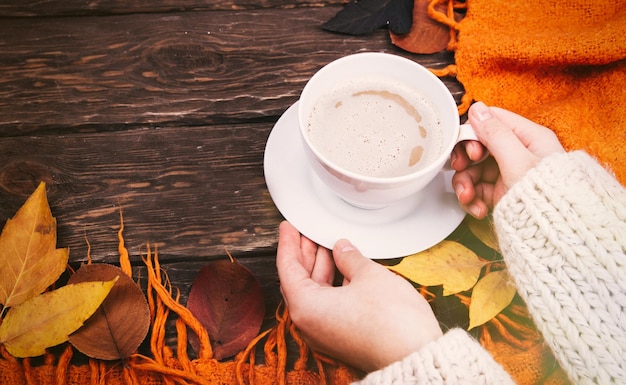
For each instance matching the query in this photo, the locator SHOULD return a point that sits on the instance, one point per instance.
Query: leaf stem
(232, 260)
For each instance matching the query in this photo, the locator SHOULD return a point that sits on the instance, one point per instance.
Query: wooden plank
(30, 8)
(190, 191)
(110, 73)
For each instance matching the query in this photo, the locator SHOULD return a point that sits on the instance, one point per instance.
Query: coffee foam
(375, 128)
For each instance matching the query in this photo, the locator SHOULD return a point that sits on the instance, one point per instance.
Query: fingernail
(481, 111)
(343, 245)
(470, 147)
(458, 189)
(475, 210)
(452, 159)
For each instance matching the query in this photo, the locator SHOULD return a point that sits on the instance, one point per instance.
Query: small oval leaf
(120, 324)
(227, 300)
(448, 263)
(492, 294)
(47, 319)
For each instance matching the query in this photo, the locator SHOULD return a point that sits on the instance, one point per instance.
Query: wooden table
(161, 109)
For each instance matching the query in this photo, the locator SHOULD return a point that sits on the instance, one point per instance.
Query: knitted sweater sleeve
(562, 233)
(453, 359)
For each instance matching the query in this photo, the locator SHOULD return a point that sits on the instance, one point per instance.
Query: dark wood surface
(160, 109)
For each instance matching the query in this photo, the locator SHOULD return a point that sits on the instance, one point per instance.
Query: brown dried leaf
(120, 324)
(227, 299)
(448, 263)
(426, 35)
(47, 319)
(492, 294)
(29, 259)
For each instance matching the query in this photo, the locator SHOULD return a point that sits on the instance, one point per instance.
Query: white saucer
(404, 228)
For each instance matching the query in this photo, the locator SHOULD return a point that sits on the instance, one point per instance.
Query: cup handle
(466, 132)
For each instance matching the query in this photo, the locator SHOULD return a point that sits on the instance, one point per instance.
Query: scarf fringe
(169, 367)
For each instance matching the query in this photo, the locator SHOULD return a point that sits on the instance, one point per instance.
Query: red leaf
(227, 300)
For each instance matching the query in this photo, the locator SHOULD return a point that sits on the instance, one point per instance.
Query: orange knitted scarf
(560, 63)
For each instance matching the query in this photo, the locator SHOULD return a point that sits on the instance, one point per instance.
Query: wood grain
(160, 110)
(163, 116)
(190, 190)
(110, 73)
(30, 8)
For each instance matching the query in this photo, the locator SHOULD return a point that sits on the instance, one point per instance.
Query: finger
(482, 202)
(476, 208)
(459, 159)
(324, 268)
(475, 150)
(291, 272)
(350, 262)
(526, 130)
(467, 153)
(497, 136)
(464, 181)
(309, 251)
(490, 172)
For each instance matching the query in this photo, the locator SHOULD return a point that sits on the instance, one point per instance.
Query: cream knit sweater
(562, 232)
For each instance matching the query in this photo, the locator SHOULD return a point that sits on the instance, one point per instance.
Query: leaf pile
(227, 300)
(101, 310)
(32, 321)
(458, 269)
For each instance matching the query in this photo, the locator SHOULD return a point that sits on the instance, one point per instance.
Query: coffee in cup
(378, 128)
(375, 128)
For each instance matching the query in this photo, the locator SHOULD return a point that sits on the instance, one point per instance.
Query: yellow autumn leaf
(29, 259)
(483, 230)
(48, 319)
(492, 294)
(448, 263)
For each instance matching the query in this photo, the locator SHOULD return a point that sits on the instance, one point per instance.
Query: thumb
(349, 260)
(499, 138)
(504, 140)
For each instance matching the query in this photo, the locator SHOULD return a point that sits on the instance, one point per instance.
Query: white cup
(367, 191)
